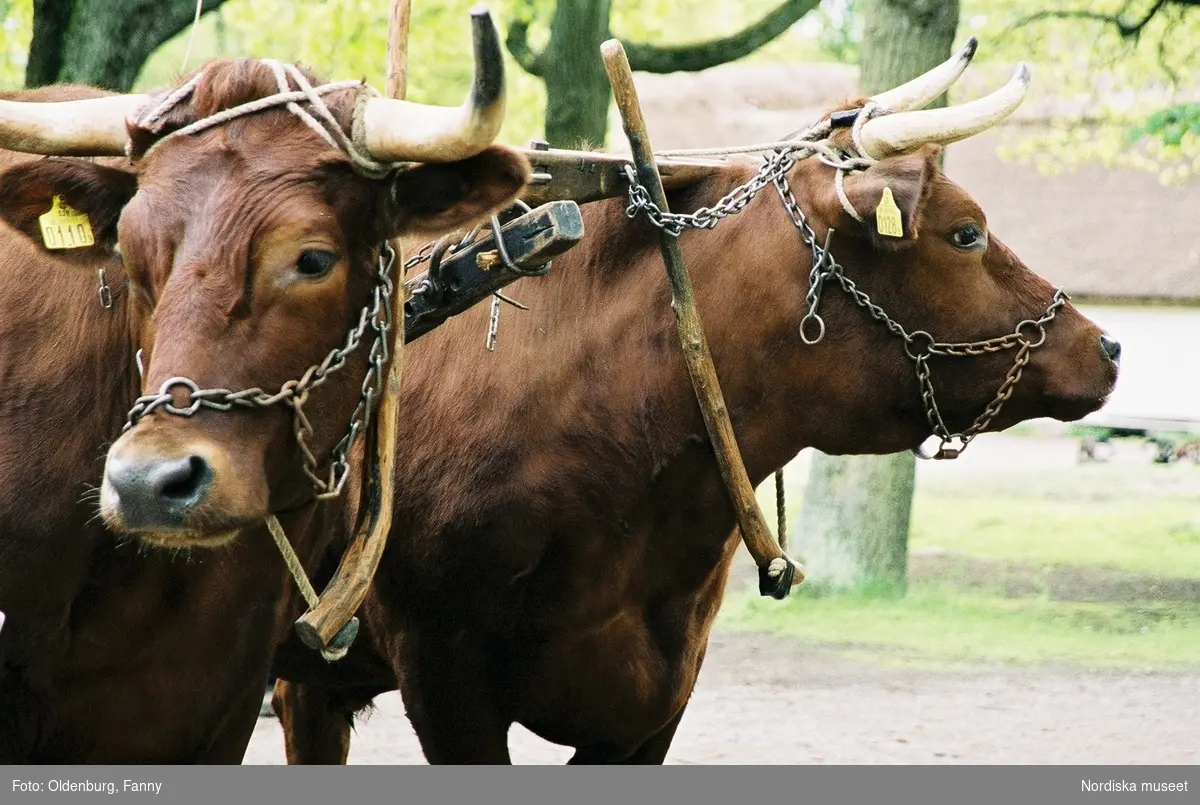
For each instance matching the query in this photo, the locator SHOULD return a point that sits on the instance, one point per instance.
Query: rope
(328, 128)
(187, 54)
(840, 189)
(306, 589)
(800, 138)
(802, 144)
(780, 511)
(331, 131)
(292, 561)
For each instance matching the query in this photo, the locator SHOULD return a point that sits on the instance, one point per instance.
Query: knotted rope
(325, 125)
(327, 128)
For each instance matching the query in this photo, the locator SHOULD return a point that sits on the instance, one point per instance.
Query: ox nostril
(159, 493)
(184, 481)
(1112, 348)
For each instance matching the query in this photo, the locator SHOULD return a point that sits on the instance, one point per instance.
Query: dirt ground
(764, 700)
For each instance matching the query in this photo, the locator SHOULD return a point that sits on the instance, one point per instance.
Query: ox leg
(229, 747)
(651, 753)
(316, 720)
(449, 702)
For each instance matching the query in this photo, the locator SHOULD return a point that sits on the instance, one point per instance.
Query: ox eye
(316, 262)
(969, 238)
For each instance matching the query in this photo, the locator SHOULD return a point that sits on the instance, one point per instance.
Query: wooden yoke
(777, 573)
(331, 626)
(583, 176)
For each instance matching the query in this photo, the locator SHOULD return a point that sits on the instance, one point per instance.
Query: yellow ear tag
(887, 216)
(65, 227)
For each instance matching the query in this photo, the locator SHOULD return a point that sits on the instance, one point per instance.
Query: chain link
(919, 345)
(377, 316)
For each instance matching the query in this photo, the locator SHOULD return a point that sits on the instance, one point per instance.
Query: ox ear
(436, 198)
(27, 192)
(909, 180)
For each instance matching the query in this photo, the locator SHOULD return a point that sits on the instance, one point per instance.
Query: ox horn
(402, 131)
(91, 127)
(902, 132)
(920, 92)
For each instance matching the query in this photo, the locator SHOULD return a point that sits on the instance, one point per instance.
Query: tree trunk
(577, 90)
(51, 18)
(103, 43)
(853, 529)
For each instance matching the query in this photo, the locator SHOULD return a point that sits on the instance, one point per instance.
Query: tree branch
(1124, 28)
(517, 43)
(702, 55)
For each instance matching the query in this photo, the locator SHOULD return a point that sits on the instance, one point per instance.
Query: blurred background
(1037, 600)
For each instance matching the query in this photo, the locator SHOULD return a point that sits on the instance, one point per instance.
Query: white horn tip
(1024, 74)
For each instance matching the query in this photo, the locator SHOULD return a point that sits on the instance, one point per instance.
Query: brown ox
(250, 248)
(563, 536)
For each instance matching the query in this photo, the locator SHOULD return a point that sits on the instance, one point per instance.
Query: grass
(934, 627)
(1037, 505)
(1162, 540)
(1026, 501)
(1138, 518)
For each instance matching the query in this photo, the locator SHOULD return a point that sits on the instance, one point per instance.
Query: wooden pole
(397, 49)
(331, 626)
(777, 573)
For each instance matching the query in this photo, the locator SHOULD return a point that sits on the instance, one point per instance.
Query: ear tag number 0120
(65, 227)
(887, 216)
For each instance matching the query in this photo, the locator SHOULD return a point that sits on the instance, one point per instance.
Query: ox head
(867, 370)
(254, 248)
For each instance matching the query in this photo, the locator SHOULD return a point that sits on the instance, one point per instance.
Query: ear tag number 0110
(65, 227)
(887, 216)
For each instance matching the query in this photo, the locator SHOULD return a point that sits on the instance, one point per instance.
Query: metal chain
(377, 315)
(705, 217)
(774, 167)
(1028, 335)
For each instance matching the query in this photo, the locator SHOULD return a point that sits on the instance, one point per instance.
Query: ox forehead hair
(224, 85)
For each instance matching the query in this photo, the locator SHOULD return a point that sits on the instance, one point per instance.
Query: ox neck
(69, 371)
(611, 319)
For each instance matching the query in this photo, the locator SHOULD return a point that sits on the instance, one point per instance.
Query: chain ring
(774, 171)
(377, 315)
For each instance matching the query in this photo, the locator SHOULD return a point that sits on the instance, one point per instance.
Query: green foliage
(16, 27)
(1122, 102)
(840, 27)
(343, 39)
(1171, 124)
(1098, 88)
(347, 38)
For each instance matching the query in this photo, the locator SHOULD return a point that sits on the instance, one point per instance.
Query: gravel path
(763, 701)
